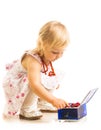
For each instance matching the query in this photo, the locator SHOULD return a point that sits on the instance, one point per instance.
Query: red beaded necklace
(45, 69)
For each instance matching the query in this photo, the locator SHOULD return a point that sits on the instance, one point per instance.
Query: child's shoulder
(33, 55)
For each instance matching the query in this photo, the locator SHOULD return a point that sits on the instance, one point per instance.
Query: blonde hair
(52, 35)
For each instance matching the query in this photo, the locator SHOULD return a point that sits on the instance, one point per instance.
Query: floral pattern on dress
(16, 86)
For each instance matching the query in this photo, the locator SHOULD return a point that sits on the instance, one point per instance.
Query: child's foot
(33, 115)
(46, 107)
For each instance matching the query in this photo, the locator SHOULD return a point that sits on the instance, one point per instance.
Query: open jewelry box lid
(89, 95)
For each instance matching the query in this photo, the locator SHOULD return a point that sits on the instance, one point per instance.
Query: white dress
(16, 84)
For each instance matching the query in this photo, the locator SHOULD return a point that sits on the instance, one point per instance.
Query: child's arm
(33, 68)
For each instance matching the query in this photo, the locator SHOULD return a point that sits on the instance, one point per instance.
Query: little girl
(29, 81)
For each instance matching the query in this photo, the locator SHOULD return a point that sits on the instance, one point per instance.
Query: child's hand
(60, 103)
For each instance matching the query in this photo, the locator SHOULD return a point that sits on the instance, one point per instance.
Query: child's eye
(54, 52)
(57, 53)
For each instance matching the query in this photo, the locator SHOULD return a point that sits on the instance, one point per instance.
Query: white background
(20, 21)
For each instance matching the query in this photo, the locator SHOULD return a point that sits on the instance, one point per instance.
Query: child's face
(53, 54)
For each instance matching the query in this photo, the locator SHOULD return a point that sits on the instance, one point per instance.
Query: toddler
(30, 81)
